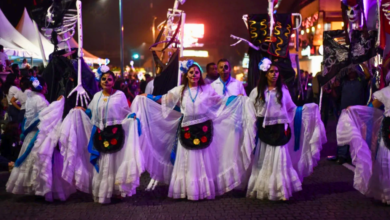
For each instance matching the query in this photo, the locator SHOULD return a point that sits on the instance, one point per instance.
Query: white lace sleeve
(170, 100)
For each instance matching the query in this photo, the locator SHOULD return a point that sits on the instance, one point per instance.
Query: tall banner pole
(121, 37)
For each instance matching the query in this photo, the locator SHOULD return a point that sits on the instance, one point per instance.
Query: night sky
(101, 22)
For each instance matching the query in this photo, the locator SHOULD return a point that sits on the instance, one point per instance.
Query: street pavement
(327, 194)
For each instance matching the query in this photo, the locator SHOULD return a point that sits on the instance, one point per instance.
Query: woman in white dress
(379, 183)
(26, 176)
(209, 157)
(273, 176)
(113, 146)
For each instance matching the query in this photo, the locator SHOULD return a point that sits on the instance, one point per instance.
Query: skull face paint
(353, 13)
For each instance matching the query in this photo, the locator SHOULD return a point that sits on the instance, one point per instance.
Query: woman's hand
(59, 98)
(144, 95)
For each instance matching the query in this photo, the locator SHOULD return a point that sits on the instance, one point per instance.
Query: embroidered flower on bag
(203, 139)
(113, 142)
(205, 128)
(196, 141)
(106, 144)
(187, 135)
(114, 130)
(186, 128)
(100, 137)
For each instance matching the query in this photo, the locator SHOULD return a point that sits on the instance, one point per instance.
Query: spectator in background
(121, 85)
(353, 91)
(212, 73)
(15, 69)
(25, 64)
(10, 142)
(10, 89)
(143, 84)
(149, 87)
(21, 97)
(35, 71)
(3, 56)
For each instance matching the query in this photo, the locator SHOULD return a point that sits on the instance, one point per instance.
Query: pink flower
(186, 128)
(205, 128)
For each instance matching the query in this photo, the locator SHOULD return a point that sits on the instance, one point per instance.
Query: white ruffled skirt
(379, 184)
(196, 174)
(21, 180)
(273, 175)
(119, 172)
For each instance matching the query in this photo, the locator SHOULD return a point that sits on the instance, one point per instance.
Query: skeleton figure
(63, 24)
(353, 11)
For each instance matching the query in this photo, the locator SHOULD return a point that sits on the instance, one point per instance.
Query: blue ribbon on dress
(230, 100)
(92, 150)
(225, 84)
(30, 146)
(297, 127)
(132, 115)
(154, 98)
(29, 129)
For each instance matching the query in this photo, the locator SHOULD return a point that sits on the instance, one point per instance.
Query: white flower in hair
(35, 83)
(265, 64)
(104, 68)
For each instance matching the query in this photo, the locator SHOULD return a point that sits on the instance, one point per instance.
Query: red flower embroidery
(205, 128)
(114, 130)
(203, 139)
(187, 135)
(186, 128)
(100, 137)
(98, 130)
(113, 141)
(287, 132)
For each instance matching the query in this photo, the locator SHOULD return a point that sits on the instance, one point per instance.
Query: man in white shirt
(211, 73)
(3, 57)
(226, 85)
(149, 87)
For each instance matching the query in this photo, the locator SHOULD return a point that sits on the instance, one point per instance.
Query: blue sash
(297, 127)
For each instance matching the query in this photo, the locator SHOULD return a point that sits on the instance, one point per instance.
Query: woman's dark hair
(108, 72)
(263, 83)
(42, 82)
(25, 83)
(185, 80)
(9, 81)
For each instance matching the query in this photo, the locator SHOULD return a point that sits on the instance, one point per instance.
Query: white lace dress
(196, 174)
(119, 172)
(360, 127)
(273, 176)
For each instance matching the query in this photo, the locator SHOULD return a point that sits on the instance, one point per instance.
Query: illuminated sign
(195, 53)
(306, 51)
(192, 34)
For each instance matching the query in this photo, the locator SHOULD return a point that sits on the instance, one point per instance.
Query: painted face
(353, 13)
(193, 75)
(224, 68)
(107, 81)
(273, 74)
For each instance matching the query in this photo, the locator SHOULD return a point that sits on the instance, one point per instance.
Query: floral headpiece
(188, 65)
(35, 83)
(102, 69)
(265, 64)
